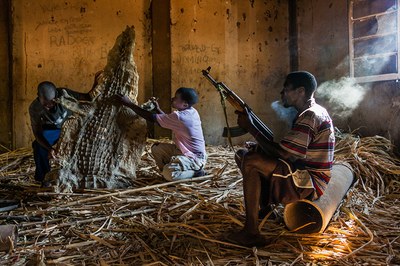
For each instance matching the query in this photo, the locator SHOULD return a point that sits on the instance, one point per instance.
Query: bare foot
(246, 239)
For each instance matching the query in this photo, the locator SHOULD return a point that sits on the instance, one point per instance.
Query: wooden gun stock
(233, 132)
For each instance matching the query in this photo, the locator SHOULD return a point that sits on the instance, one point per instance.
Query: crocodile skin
(101, 144)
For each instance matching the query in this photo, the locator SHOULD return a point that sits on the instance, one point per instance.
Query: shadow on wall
(376, 110)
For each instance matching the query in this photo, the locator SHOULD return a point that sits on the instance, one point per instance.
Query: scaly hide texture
(101, 144)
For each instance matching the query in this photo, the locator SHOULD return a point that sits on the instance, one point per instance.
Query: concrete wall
(67, 42)
(5, 91)
(323, 38)
(379, 112)
(323, 50)
(245, 43)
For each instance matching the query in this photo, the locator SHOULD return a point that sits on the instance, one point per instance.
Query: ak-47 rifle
(240, 106)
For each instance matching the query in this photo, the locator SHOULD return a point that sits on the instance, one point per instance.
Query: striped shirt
(312, 140)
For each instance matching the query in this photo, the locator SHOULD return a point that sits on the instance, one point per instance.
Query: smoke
(372, 56)
(376, 54)
(385, 21)
(342, 96)
(285, 114)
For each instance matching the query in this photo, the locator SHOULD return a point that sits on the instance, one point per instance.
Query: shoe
(199, 173)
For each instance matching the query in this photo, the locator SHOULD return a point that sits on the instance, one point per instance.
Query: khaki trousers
(173, 164)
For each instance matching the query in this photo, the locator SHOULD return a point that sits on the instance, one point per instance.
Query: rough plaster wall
(323, 45)
(67, 42)
(5, 97)
(245, 43)
(323, 50)
(323, 38)
(379, 112)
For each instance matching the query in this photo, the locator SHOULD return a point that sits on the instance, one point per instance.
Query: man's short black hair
(47, 90)
(303, 79)
(189, 95)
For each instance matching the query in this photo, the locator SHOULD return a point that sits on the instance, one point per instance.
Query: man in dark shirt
(47, 117)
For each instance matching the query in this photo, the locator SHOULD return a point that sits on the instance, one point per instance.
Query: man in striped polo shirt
(296, 168)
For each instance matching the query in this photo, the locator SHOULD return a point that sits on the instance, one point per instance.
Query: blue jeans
(41, 155)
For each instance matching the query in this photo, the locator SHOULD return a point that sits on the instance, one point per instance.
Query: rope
(223, 103)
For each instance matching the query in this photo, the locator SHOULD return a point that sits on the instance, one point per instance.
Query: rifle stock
(233, 132)
(240, 106)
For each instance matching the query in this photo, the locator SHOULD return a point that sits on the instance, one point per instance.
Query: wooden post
(293, 39)
(6, 90)
(161, 38)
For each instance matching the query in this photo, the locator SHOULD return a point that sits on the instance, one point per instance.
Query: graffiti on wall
(70, 44)
(192, 58)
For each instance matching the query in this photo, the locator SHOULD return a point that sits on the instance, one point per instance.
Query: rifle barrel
(206, 73)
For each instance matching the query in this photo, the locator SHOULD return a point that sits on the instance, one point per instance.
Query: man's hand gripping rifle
(240, 106)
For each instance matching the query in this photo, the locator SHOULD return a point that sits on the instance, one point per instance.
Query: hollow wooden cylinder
(8, 236)
(306, 216)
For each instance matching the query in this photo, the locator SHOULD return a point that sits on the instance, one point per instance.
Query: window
(374, 40)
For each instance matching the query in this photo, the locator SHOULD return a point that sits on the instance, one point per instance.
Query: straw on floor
(184, 222)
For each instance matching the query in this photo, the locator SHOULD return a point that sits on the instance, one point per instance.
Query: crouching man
(47, 117)
(187, 157)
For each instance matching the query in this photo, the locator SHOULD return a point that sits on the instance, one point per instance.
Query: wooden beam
(161, 56)
(293, 38)
(6, 92)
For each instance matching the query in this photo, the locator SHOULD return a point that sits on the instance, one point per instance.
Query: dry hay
(158, 223)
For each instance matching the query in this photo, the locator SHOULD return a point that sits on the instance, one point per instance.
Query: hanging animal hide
(101, 144)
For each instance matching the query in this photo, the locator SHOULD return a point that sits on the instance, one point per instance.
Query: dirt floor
(183, 223)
